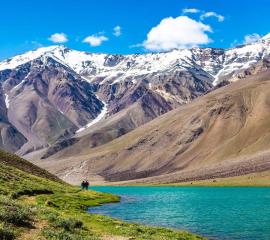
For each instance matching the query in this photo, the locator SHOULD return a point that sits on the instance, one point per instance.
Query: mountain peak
(13, 62)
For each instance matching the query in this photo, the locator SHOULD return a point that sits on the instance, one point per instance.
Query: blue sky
(143, 25)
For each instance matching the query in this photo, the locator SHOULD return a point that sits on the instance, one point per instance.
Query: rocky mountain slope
(54, 97)
(224, 133)
(45, 100)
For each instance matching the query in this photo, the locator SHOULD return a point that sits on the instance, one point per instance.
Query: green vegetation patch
(13, 212)
(36, 205)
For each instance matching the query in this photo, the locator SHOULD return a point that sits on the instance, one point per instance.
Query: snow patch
(216, 78)
(101, 115)
(7, 101)
(86, 79)
(21, 83)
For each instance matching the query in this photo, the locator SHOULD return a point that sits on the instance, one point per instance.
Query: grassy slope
(32, 207)
(17, 162)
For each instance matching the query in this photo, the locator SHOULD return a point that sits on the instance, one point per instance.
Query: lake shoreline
(243, 212)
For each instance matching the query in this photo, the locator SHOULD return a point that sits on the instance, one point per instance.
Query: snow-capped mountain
(45, 100)
(218, 63)
(56, 91)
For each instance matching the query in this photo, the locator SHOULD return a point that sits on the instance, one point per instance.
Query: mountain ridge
(75, 59)
(99, 97)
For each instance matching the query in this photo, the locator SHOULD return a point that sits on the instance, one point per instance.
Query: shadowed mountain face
(11, 139)
(44, 100)
(224, 133)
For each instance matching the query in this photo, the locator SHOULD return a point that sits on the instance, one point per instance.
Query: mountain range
(175, 116)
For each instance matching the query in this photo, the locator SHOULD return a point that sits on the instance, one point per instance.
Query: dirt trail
(34, 233)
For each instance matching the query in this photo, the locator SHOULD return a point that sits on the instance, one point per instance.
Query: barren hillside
(224, 133)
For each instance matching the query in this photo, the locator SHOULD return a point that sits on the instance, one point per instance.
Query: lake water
(214, 212)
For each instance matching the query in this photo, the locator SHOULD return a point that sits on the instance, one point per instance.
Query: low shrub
(14, 213)
(69, 224)
(64, 235)
(6, 232)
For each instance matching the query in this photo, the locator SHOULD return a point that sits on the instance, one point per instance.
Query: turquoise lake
(214, 212)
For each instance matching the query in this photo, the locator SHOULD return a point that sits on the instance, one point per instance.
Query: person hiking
(86, 185)
(83, 184)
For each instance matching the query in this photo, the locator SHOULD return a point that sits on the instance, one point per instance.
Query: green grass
(34, 207)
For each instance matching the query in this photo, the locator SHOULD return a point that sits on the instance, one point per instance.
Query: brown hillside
(224, 133)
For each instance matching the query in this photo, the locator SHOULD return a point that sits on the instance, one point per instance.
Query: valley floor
(258, 179)
(261, 179)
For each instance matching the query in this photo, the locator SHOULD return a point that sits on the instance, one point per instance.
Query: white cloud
(190, 10)
(117, 31)
(179, 32)
(95, 40)
(251, 38)
(58, 38)
(219, 17)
